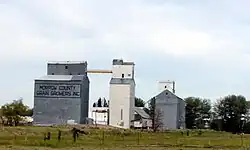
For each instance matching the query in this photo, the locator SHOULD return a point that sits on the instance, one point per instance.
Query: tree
(105, 104)
(197, 110)
(99, 102)
(139, 102)
(231, 109)
(205, 112)
(157, 119)
(94, 104)
(248, 104)
(29, 112)
(14, 111)
(155, 114)
(1, 116)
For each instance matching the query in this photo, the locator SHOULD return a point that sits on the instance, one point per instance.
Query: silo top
(121, 62)
(67, 68)
(67, 62)
(61, 78)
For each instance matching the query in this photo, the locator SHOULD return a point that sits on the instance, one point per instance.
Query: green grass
(32, 138)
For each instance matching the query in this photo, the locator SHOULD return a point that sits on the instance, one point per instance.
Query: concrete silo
(122, 94)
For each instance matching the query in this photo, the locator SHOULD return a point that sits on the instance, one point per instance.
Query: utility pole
(153, 113)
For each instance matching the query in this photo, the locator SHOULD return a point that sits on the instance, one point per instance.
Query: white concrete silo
(121, 94)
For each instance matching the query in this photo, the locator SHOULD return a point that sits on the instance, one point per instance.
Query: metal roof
(121, 62)
(121, 81)
(166, 90)
(141, 112)
(67, 62)
(62, 77)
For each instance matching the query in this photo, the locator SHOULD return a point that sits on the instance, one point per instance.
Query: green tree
(139, 102)
(13, 112)
(248, 104)
(105, 104)
(231, 109)
(99, 102)
(29, 112)
(246, 128)
(197, 110)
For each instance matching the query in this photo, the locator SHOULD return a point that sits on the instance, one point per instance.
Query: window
(70, 74)
(121, 114)
(52, 73)
(129, 74)
(66, 67)
(165, 86)
(122, 75)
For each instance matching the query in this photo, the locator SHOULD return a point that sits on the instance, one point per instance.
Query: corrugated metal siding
(182, 113)
(57, 110)
(173, 109)
(67, 68)
(84, 101)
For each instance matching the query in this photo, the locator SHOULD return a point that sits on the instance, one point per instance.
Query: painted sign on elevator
(57, 90)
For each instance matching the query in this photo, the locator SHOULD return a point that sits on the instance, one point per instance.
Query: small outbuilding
(141, 119)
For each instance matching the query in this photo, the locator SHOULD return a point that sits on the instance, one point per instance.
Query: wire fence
(100, 137)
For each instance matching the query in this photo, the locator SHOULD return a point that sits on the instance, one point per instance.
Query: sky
(202, 45)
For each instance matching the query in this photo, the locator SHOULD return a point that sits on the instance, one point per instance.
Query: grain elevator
(122, 94)
(62, 95)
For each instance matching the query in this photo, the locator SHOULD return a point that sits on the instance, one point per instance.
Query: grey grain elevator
(62, 95)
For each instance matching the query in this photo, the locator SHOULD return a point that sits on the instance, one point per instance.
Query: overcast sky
(202, 45)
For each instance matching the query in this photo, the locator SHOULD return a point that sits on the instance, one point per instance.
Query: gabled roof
(167, 91)
(141, 112)
(67, 62)
(62, 77)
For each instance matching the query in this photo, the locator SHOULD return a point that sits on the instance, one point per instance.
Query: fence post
(242, 142)
(102, 137)
(138, 138)
(44, 136)
(14, 139)
(49, 136)
(59, 135)
(74, 135)
(177, 140)
(26, 138)
(123, 137)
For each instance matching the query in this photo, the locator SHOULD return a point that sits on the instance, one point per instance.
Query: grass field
(33, 138)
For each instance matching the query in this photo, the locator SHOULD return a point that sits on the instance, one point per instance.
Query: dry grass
(92, 148)
(110, 138)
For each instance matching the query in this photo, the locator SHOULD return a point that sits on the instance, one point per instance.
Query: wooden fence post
(59, 135)
(103, 135)
(138, 138)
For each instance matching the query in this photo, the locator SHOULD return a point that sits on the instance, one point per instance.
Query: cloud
(61, 29)
(208, 38)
